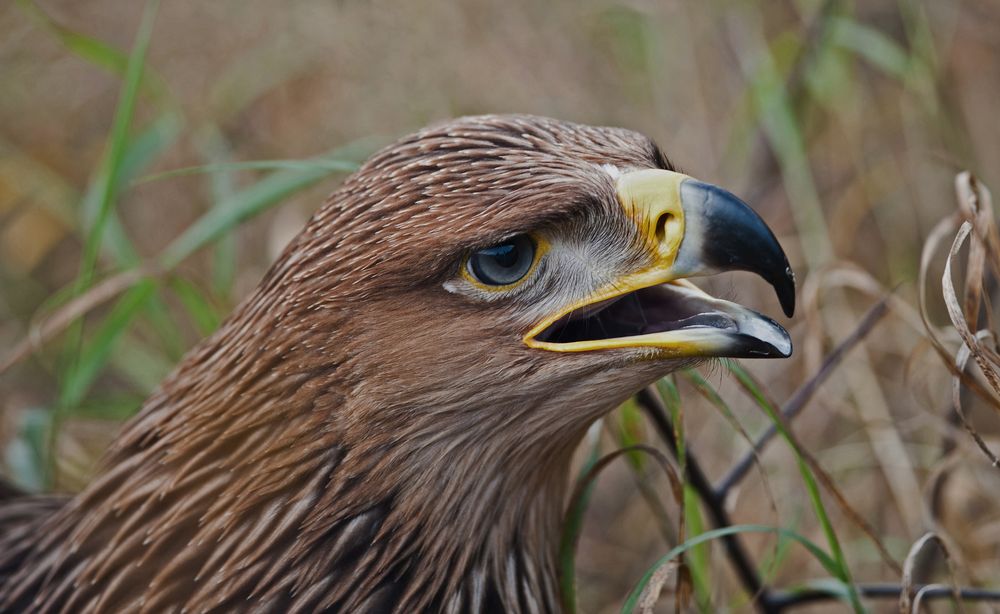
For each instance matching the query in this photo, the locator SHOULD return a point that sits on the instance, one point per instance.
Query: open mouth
(687, 228)
(676, 318)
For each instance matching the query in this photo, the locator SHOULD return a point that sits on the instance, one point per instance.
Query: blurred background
(143, 193)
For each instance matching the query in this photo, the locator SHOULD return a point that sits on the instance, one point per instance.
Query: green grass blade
(812, 488)
(780, 553)
(698, 557)
(574, 525)
(710, 393)
(251, 201)
(108, 186)
(828, 563)
(137, 153)
(315, 164)
(90, 49)
(203, 313)
(92, 358)
(96, 52)
(776, 115)
(96, 352)
(114, 409)
(25, 455)
(140, 364)
(221, 186)
(872, 45)
(669, 393)
(631, 432)
(140, 151)
(103, 195)
(77, 371)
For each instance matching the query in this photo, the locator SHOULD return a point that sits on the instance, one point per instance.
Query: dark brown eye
(505, 263)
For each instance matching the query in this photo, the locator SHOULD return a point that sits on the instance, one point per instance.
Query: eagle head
(511, 278)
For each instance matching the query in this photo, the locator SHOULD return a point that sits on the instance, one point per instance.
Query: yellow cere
(652, 198)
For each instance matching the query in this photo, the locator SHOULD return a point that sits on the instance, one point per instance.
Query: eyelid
(498, 250)
(541, 248)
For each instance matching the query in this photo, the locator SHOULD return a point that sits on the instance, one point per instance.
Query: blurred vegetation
(154, 158)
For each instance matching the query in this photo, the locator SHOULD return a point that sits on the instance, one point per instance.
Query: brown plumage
(368, 431)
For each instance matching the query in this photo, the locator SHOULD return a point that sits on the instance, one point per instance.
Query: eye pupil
(505, 263)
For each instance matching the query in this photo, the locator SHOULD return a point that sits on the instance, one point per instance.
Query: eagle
(387, 422)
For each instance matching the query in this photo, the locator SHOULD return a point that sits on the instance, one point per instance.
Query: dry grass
(844, 124)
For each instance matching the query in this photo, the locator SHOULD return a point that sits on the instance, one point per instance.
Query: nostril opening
(661, 226)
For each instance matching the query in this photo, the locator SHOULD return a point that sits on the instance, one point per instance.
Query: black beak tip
(784, 287)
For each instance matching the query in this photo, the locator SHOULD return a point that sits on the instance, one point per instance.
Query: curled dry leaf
(906, 601)
(970, 315)
(651, 594)
(985, 356)
(956, 397)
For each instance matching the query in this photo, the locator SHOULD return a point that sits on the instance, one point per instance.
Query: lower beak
(689, 228)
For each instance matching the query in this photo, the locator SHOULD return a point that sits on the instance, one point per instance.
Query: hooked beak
(690, 229)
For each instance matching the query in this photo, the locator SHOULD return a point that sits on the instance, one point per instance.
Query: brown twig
(39, 334)
(798, 401)
(828, 483)
(792, 599)
(906, 595)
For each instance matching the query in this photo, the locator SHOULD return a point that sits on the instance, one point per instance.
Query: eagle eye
(503, 264)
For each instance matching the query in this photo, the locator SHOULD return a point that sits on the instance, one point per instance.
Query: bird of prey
(387, 422)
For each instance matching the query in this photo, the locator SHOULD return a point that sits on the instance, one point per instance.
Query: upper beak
(689, 228)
